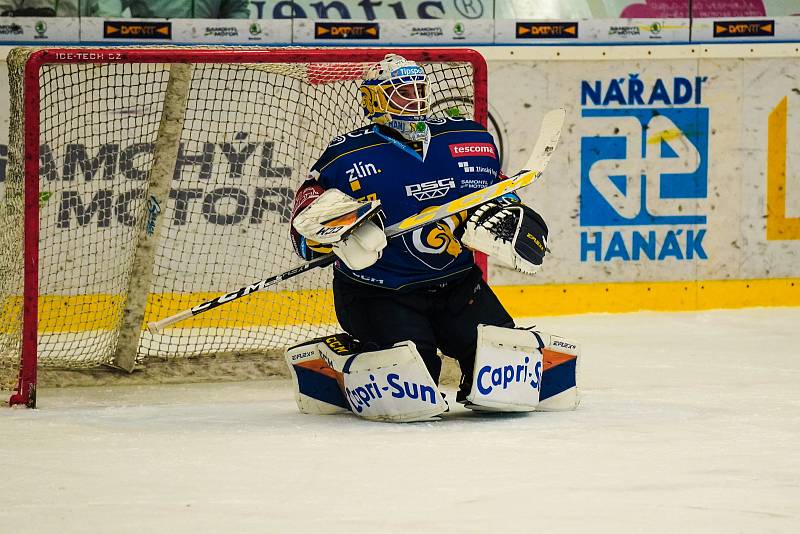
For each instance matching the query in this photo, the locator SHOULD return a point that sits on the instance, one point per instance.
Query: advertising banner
(38, 30)
(410, 31)
(592, 9)
(733, 29)
(606, 9)
(658, 176)
(352, 10)
(771, 169)
(365, 22)
(539, 32)
(209, 31)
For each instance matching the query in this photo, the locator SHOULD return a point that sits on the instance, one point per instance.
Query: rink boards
(676, 184)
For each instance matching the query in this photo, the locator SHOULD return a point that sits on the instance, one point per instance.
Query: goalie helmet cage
(144, 180)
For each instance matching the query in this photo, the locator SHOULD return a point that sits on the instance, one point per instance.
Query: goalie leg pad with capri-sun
(506, 356)
(393, 385)
(390, 385)
(508, 370)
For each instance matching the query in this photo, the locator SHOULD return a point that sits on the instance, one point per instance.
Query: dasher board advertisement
(164, 31)
(548, 31)
(383, 32)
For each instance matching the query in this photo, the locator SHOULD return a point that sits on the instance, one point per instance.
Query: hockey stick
(545, 145)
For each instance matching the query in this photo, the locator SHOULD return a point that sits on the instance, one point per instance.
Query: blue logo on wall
(644, 169)
(648, 173)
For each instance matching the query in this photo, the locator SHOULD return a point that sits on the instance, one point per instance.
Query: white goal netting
(119, 245)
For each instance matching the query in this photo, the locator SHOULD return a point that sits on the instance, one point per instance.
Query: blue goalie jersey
(458, 158)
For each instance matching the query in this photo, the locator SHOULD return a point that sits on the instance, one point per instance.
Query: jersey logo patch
(466, 167)
(462, 150)
(339, 139)
(435, 245)
(432, 189)
(360, 170)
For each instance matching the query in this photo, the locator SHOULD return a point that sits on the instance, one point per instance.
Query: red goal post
(145, 179)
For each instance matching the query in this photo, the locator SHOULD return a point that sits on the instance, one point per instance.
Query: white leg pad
(390, 385)
(508, 370)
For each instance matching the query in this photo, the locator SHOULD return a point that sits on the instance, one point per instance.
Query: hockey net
(144, 181)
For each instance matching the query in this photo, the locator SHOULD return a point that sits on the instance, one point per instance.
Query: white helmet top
(395, 93)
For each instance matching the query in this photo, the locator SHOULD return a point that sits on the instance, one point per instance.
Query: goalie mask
(395, 93)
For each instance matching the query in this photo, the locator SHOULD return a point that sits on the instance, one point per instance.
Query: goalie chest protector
(370, 163)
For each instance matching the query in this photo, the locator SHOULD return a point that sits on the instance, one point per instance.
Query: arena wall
(707, 136)
(676, 186)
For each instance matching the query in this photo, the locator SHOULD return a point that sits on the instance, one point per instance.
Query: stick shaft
(157, 326)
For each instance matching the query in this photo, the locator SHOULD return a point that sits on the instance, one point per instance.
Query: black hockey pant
(442, 317)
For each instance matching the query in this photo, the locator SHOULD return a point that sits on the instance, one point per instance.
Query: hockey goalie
(404, 300)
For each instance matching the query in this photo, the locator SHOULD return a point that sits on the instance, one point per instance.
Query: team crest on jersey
(435, 245)
(429, 190)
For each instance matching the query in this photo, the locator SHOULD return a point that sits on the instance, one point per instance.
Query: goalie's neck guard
(410, 129)
(410, 146)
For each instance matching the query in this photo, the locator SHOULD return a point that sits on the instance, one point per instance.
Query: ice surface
(689, 423)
